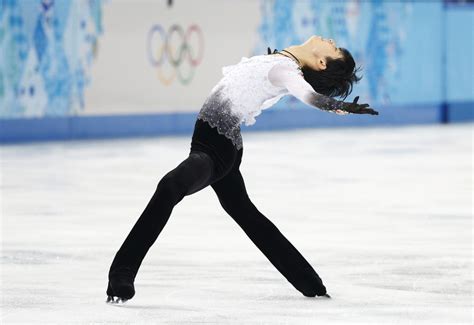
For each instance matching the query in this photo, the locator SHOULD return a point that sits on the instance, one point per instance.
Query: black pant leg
(266, 236)
(190, 176)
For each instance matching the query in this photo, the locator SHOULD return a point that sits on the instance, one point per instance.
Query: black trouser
(213, 160)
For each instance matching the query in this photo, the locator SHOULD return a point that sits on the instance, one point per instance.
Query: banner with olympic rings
(67, 58)
(161, 58)
(175, 47)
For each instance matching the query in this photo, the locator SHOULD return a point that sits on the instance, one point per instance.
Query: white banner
(155, 58)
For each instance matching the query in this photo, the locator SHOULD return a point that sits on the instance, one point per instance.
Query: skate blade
(117, 300)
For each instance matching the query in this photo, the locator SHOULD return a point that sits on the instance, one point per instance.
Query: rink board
(110, 126)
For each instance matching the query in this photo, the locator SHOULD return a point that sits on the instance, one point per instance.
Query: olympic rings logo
(174, 46)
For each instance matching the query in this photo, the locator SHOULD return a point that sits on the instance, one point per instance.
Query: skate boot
(120, 285)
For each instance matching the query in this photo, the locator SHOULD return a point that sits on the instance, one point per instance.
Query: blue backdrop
(416, 59)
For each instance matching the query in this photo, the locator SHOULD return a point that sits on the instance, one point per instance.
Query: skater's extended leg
(266, 236)
(191, 175)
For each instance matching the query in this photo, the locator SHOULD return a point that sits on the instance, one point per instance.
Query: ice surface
(383, 214)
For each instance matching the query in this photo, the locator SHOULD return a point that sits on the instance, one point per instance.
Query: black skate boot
(120, 285)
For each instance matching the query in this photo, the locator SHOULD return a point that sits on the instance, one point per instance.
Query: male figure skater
(313, 72)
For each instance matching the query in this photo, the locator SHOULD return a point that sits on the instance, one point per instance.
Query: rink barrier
(120, 126)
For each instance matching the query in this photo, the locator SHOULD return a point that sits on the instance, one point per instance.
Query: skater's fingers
(370, 111)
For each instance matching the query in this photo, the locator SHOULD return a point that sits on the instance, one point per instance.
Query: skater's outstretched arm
(291, 79)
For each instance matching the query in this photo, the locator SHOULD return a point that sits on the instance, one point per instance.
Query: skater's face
(318, 49)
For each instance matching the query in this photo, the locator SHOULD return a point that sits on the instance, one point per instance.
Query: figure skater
(313, 72)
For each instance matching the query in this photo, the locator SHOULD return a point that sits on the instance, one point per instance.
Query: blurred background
(91, 68)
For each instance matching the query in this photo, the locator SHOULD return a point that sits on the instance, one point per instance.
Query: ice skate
(120, 286)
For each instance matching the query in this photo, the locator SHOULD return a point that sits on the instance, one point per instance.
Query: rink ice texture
(384, 215)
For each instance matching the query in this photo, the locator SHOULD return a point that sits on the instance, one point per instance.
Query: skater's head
(329, 69)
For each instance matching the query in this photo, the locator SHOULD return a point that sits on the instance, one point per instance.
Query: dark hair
(337, 79)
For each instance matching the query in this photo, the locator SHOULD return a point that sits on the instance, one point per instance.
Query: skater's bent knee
(168, 187)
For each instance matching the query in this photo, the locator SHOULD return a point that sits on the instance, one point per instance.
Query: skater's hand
(355, 108)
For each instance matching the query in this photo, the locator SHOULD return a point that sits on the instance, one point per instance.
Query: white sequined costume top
(252, 85)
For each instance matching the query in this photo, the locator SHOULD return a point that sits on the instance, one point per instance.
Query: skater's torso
(243, 92)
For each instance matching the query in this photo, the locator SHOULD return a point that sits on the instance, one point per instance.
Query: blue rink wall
(59, 63)
(93, 127)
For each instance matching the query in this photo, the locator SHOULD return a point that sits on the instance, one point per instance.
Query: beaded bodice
(242, 93)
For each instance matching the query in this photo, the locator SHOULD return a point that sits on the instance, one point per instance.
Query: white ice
(384, 215)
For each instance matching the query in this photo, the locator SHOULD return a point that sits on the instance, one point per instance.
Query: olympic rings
(160, 49)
